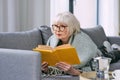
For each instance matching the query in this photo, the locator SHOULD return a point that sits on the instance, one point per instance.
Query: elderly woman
(66, 30)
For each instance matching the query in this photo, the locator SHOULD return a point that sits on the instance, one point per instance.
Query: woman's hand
(67, 68)
(45, 67)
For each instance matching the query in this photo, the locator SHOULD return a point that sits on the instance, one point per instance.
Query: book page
(63, 46)
(44, 47)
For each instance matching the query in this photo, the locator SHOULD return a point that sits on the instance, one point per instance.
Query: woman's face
(61, 31)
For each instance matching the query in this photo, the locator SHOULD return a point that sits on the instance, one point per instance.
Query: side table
(92, 75)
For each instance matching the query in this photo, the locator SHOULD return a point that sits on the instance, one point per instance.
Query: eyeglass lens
(58, 28)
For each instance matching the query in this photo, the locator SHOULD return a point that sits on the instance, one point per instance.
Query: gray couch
(19, 62)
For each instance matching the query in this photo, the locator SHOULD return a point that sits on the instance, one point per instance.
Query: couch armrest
(114, 40)
(19, 65)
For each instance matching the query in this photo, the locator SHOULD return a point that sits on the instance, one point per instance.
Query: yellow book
(63, 53)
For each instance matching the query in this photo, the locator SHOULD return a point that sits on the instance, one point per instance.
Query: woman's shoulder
(52, 37)
(52, 41)
(82, 37)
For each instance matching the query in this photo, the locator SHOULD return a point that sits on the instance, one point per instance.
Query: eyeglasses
(58, 28)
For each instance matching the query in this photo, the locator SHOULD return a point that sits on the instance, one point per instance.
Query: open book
(65, 53)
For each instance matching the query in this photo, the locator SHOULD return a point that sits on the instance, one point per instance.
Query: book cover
(63, 53)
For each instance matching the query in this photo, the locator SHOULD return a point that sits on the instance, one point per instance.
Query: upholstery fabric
(26, 40)
(46, 33)
(25, 65)
(114, 39)
(19, 65)
(61, 78)
(115, 66)
(97, 34)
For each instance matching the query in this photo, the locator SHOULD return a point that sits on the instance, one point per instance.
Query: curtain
(58, 6)
(109, 16)
(86, 12)
(20, 15)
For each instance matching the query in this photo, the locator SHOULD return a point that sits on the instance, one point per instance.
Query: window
(98, 12)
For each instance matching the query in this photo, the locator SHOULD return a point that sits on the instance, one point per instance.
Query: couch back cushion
(45, 32)
(97, 34)
(26, 40)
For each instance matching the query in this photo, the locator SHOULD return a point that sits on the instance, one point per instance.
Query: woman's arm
(67, 68)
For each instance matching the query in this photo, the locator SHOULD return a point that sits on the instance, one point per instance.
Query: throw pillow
(109, 52)
(45, 32)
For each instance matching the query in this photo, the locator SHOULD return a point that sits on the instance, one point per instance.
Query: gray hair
(70, 20)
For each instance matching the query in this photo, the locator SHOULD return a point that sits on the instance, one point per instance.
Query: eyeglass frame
(58, 28)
